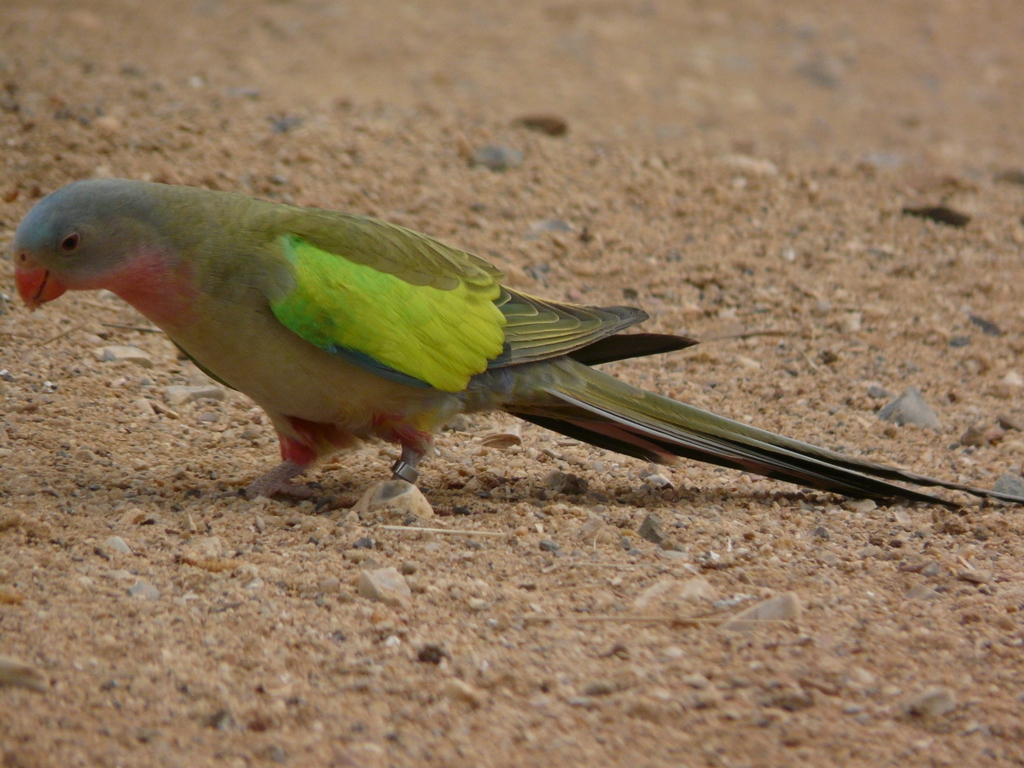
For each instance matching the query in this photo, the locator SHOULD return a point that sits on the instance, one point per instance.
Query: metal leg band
(403, 470)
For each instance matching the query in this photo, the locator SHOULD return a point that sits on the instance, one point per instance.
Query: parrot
(345, 328)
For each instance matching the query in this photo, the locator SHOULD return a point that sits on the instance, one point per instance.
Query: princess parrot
(344, 328)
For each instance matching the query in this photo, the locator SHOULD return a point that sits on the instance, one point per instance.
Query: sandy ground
(734, 168)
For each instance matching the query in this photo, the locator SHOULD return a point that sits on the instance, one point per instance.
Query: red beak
(36, 285)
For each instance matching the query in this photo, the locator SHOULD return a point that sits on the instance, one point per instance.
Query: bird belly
(290, 378)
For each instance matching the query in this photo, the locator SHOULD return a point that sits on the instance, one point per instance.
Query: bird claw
(276, 482)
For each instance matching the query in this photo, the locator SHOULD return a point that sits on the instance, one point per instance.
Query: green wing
(438, 336)
(415, 310)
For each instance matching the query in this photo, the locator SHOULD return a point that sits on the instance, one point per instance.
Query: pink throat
(158, 289)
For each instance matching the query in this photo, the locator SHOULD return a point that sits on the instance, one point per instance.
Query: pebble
(458, 690)
(551, 225)
(393, 497)
(974, 576)
(144, 407)
(547, 545)
(179, 395)
(552, 125)
(650, 529)
(432, 653)
(861, 506)
(850, 322)
(143, 590)
(599, 688)
(987, 326)
(21, 675)
(932, 702)
(973, 436)
(363, 542)
(922, 592)
(385, 585)
(566, 482)
(909, 408)
(202, 548)
(1008, 422)
(754, 165)
(784, 607)
(1009, 484)
(878, 392)
(693, 590)
(496, 157)
(503, 439)
(120, 354)
(791, 699)
(116, 544)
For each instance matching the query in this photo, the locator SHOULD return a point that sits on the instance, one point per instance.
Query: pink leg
(277, 481)
(295, 457)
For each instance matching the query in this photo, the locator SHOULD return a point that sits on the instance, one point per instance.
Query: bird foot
(276, 482)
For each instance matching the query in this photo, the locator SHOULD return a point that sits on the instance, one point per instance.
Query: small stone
(547, 545)
(958, 342)
(566, 482)
(329, 585)
(909, 408)
(478, 604)
(791, 699)
(21, 675)
(144, 407)
(932, 702)
(385, 585)
(973, 436)
(496, 157)
(872, 550)
(650, 529)
(363, 542)
(143, 590)
(599, 688)
(457, 423)
(503, 439)
(551, 225)
(107, 124)
(120, 354)
(1008, 423)
(974, 576)
(753, 165)
(457, 690)
(922, 591)
(395, 498)
(987, 326)
(116, 544)
(552, 125)
(657, 482)
(180, 395)
(669, 592)
(878, 392)
(861, 506)
(202, 548)
(696, 680)
(432, 653)
(784, 607)
(408, 568)
(1012, 485)
(850, 322)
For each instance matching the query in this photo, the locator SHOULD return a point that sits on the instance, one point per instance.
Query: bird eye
(70, 243)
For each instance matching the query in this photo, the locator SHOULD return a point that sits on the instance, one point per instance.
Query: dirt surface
(732, 167)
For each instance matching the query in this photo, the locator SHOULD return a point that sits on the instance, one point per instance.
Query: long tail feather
(588, 405)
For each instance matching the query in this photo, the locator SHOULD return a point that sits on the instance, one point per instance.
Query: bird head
(82, 236)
